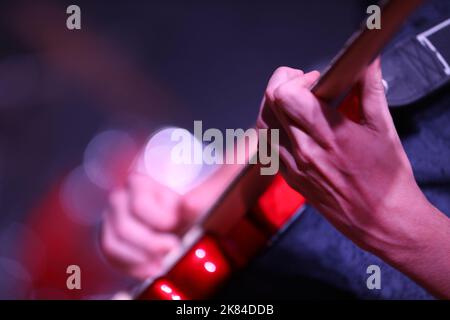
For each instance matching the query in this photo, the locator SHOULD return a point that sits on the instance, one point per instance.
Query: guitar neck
(361, 49)
(248, 185)
(332, 86)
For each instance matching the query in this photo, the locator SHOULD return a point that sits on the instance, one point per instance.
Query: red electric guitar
(254, 207)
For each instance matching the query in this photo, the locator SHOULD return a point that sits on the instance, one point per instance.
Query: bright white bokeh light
(102, 154)
(210, 267)
(200, 253)
(166, 288)
(158, 162)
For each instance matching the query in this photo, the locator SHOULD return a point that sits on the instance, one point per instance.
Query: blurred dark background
(134, 67)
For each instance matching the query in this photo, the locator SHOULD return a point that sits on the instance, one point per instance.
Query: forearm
(425, 254)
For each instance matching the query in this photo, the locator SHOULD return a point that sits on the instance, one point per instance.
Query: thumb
(374, 107)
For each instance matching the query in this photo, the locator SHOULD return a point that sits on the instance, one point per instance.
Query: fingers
(290, 103)
(266, 118)
(118, 250)
(126, 257)
(274, 117)
(146, 195)
(295, 99)
(296, 145)
(280, 76)
(374, 107)
(137, 231)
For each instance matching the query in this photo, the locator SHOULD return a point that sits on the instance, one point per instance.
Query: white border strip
(423, 39)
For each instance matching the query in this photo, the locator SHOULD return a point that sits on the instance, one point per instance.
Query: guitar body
(212, 259)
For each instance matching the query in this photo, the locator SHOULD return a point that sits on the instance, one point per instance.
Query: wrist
(422, 247)
(410, 232)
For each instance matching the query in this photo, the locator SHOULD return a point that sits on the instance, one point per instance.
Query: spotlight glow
(158, 162)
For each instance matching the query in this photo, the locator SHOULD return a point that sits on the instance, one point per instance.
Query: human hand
(142, 225)
(356, 174)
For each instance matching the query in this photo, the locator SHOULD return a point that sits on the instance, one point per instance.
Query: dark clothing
(313, 260)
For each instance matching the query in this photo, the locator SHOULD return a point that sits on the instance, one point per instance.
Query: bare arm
(425, 255)
(358, 175)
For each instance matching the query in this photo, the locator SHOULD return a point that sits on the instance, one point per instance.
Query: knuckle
(283, 93)
(377, 87)
(268, 94)
(122, 231)
(139, 206)
(282, 69)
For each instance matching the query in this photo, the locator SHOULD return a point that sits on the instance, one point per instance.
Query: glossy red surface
(277, 204)
(162, 289)
(202, 270)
